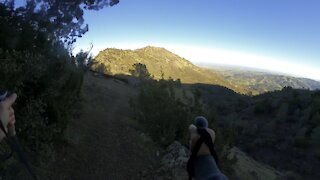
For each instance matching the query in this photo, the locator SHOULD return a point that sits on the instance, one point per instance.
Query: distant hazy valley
(258, 82)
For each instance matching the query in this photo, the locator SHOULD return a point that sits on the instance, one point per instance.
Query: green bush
(37, 64)
(47, 89)
(263, 107)
(317, 153)
(301, 142)
(164, 117)
(140, 71)
(45, 77)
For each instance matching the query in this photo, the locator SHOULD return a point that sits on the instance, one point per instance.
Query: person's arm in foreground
(7, 117)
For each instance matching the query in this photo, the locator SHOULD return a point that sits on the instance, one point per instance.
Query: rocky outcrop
(173, 164)
(248, 168)
(175, 158)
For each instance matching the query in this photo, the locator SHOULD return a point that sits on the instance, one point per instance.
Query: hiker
(203, 162)
(7, 117)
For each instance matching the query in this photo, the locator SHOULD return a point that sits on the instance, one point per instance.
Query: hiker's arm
(7, 117)
(193, 136)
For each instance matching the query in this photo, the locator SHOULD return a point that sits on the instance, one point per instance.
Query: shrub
(301, 142)
(36, 63)
(140, 71)
(45, 100)
(162, 115)
(262, 107)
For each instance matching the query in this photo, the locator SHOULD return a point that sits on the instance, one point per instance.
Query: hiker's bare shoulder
(193, 132)
(211, 132)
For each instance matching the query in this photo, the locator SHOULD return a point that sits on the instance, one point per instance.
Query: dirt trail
(103, 143)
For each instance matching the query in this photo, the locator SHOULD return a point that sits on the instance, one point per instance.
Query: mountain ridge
(159, 62)
(162, 62)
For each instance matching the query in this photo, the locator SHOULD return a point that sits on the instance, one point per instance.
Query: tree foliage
(140, 70)
(52, 20)
(37, 64)
(164, 116)
(285, 124)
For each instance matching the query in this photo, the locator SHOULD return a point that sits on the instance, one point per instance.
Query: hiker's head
(201, 122)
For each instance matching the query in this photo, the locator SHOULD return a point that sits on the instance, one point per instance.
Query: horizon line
(225, 57)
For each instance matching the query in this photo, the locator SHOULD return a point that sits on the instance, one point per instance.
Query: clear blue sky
(285, 33)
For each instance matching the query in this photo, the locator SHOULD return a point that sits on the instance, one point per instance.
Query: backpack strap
(208, 141)
(194, 152)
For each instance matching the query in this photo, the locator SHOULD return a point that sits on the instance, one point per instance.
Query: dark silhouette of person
(203, 162)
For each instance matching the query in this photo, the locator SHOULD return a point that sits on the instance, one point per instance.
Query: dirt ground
(104, 142)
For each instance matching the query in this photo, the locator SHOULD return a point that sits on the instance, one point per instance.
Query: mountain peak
(149, 47)
(154, 49)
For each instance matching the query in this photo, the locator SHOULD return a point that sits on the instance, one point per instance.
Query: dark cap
(201, 122)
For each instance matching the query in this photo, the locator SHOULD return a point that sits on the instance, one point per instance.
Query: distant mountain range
(161, 61)
(257, 81)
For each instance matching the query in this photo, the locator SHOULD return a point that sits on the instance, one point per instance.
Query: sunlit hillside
(158, 61)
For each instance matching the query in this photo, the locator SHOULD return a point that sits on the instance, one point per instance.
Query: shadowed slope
(102, 142)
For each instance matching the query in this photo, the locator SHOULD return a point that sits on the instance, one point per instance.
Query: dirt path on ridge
(103, 143)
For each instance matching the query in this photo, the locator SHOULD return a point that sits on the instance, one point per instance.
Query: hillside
(279, 128)
(260, 82)
(103, 142)
(282, 129)
(96, 137)
(158, 61)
